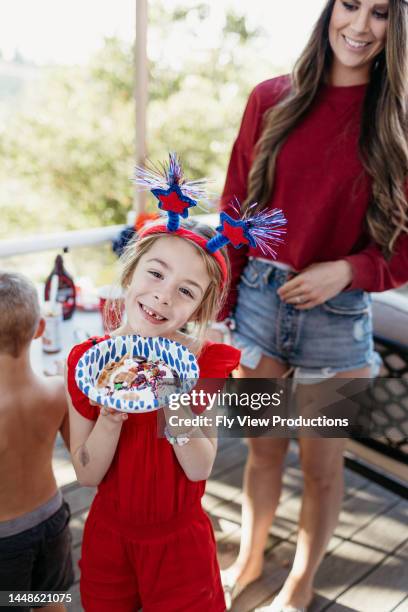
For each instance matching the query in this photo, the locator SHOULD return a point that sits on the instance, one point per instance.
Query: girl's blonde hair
(217, 289)
(383, 143)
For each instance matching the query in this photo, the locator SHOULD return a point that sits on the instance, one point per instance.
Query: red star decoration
(172, 203)
(234, 233)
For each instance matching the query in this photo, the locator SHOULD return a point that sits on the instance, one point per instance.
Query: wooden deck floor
(366, 566)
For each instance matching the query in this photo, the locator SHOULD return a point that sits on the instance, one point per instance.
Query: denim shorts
(38, 559)
(335, 336)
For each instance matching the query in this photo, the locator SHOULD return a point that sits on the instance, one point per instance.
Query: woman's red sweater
(321, 186)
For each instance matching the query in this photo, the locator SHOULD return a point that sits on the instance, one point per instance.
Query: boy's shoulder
(53, 388)
(46, 395)
(36, 389)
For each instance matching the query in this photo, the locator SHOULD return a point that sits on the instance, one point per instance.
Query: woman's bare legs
(261, 488)
(322, 465)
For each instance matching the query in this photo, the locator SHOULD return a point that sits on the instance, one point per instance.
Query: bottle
(66, 288)
(51, 339)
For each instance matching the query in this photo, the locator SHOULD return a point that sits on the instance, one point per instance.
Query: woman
(328, 145)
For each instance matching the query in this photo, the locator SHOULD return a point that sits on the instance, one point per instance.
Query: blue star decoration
(173, 200)
(236, 231)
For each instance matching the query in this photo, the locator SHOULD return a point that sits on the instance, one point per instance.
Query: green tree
(67, 162)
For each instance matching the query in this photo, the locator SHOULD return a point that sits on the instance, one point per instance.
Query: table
(79, 328)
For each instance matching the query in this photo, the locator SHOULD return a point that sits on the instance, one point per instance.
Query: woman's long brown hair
(383, 145)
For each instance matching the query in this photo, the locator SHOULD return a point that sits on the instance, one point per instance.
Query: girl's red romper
(147, 541)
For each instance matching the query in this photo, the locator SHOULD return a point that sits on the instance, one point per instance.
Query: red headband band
(184, 233)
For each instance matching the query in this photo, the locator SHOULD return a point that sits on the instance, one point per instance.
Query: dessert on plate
(136, 378)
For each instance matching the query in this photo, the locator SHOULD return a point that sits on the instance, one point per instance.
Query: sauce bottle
(66, 288)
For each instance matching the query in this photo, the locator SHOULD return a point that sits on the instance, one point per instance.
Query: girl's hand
(178, 427)
(316, 284)
(112, 416)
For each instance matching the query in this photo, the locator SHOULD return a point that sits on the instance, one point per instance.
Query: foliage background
(67, 153)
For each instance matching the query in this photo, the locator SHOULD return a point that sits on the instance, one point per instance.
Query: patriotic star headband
(176, 196)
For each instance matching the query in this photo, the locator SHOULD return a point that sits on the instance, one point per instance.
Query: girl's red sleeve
(79, 400)
(216, 363)
(218, 360)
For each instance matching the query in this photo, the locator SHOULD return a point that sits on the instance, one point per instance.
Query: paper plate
(174, 354)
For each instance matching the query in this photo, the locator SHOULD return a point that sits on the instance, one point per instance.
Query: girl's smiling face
(357, 34)
(167, 287)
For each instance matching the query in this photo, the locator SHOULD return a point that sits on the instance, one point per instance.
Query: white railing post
(141, 80)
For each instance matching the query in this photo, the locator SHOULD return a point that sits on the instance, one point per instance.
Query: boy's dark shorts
(38, 559)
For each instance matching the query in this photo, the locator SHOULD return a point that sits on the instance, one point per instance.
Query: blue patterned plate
(174, 354)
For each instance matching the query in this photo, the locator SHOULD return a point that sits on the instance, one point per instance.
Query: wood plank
(320, 603)
(332, 545)
(334, 607)
(387, 531)
(224, 527)
(292, 482)
(75, 605)
(345, 566)
(353, 482)
(233, 455)
(64, 472)
(227, 486)
(76, 555)
(287, 516)
(402, 607)
(236, 453)
(385, 587)
(286, 519)
(224, 443)
(76, 524)
(285, 525)
(226, 516)
(62, 465)
(361, 508)
(80, 498)
(276, 568)
(336, 540)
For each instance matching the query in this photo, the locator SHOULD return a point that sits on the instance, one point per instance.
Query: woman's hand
(316, 284)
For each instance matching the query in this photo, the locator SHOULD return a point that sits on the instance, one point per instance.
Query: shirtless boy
(35, 540)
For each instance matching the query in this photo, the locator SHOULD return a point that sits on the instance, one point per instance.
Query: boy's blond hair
(19, 312)
(217, 290)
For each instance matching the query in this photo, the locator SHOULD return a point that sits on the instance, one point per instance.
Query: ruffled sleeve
(218, 360)
(79, 400)
(216, 363)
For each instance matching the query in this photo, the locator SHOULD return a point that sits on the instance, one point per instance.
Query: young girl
(147, 541)
(328, 144)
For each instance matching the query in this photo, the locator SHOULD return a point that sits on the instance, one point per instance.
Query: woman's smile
(355, 45)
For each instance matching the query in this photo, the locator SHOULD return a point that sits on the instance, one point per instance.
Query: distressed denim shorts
(335, 336)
